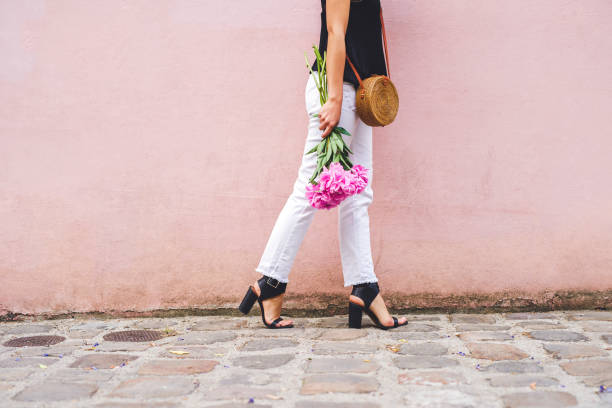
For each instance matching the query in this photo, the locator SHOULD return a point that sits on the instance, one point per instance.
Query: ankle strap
(270, 287)
(366, 291)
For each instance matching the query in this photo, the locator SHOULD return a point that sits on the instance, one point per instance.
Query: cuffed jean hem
(272, 275)
(360, 281)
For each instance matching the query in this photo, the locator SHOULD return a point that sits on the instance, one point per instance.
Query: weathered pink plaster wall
(147, 147)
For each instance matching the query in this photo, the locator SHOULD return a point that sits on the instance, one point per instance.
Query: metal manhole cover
(34, 341)
(133, 335)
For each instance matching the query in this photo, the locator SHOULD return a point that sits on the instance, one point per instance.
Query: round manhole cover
(133, 335)
(34, 341)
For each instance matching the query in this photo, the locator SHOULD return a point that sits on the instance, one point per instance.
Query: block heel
(248, 301)
(355, 314)
(269, 288)
(367, 292)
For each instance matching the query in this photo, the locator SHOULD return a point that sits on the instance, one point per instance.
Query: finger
(327, 132)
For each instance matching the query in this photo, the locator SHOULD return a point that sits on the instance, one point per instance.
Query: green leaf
(320, 147)
(343, 130)
(328, 151)
(319, 167)
(316, 51)
(314, 149)
(343, 160)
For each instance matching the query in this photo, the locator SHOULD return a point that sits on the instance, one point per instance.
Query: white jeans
(353, 219)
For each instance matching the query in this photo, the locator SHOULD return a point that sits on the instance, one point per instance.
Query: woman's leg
(297, 214)
(353, 217)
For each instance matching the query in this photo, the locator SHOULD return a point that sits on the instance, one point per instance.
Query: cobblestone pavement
(554, 359)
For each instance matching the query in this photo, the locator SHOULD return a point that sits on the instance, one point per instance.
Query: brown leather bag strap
(382, 23)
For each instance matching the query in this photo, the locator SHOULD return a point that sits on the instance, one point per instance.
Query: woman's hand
(329, 115)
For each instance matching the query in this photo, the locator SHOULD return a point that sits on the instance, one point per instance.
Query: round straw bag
(376, 100)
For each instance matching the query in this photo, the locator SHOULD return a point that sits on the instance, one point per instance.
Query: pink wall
(147, 147)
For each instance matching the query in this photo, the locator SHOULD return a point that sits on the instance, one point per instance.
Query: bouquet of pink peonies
(338, 178)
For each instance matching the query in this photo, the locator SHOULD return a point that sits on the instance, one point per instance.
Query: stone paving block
(522, 381)
(307, 332)
(607, 338)
(155, 387)
(50, 351)
(588, 367)
(15, 374)
(112, 346)
(262, 361)
(148, 404)
(204, 337)
(604, 379)
(341, 365)
(423, 317)
(495, 351)
(438, 377)
(541, 325)
(204, 352)
(19, 328)
(447, 397)
(590, 315)
(239, 405)
(529, 316)
(90, 376)
(241, 392)
(22, 362)
(597, 326)
(56, 391)
(484, 336)
(268, 344)
(336, 347)
(154, 323)
(423, 349)
(416, 327)
(329, 404)
(556, 335)
(412, 362)
(411, 336)
(472, 318)
(93, 324)
(83, 334)
(606, 398)
(513, 367)
(102, 361)
(480, 327)
(569, 351)
(351, 383)
(539, 399)
(238, 375)
(5, 387)
(335, 322)
(341, 334)
(220, 323)
(177, 367)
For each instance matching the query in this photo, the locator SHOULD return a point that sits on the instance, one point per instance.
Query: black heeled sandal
(367, 292)
(268, 287)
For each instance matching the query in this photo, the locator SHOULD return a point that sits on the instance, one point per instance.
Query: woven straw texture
(377, 101)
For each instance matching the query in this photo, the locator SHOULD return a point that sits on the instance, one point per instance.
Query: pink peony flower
(335, 185)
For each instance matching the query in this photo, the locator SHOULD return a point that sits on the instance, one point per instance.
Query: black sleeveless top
(363, 40)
